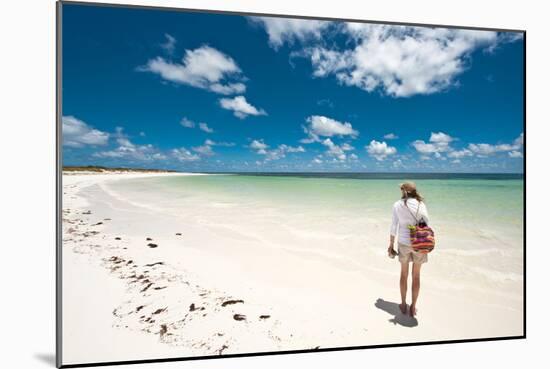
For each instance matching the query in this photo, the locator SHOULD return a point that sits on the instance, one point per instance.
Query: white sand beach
(143, 283)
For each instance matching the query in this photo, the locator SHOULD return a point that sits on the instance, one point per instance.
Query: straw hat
(408, 187)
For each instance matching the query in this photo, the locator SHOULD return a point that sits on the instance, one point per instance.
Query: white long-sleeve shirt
(402, 218)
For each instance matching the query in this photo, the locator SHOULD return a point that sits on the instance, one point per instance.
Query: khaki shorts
(407, 254)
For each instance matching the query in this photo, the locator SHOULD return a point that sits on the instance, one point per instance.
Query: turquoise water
(478, 220)
(469, 202)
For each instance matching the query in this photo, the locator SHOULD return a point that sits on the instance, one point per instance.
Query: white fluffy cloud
(457, 154)
(334, 150)
(261, 148)
(347, 147)
(399, 61)
(184, 155)
(519, 141)
(170, 44)
(188, 123)
(425, 148)
(321, 129)
(488, 149)
(281, 30)
(485, 149)
(205, 150)
(204, 67)
(240, 107)
(204, 127)
(441, 138)
(321, 126)
(214, 143)
(380, 150)
(287, 148)
(391, 136)
(439, 142)
(77, 133)
(130, 151)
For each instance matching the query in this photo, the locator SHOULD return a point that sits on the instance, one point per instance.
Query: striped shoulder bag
(422, 236)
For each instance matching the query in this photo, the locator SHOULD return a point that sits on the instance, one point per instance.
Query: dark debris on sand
(158, 311)
(147, 287)
(193, 307)
(153, 264)
(163, 329)
(231, 302)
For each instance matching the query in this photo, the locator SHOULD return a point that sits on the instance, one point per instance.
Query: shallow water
(478, 220)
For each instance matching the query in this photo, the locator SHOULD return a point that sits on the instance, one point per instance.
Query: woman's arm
(393, 230)
(394, 224)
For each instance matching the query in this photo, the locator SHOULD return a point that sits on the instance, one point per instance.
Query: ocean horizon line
(322, 174)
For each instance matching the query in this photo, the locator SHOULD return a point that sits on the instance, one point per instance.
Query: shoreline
(310, 302)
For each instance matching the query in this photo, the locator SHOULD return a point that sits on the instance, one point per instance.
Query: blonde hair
(408, 190)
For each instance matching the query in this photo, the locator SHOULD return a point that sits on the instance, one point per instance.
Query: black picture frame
(59, 166)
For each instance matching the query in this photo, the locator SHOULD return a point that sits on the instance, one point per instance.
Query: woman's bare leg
(415, 286)
(403, 286)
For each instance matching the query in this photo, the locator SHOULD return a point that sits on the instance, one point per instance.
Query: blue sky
(211, 92)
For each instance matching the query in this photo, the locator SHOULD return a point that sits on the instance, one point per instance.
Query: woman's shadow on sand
(392, 308)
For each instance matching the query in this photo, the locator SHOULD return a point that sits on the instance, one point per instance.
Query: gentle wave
(476, 252)
(497, 276)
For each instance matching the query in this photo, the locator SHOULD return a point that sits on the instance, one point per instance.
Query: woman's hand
(391, 252)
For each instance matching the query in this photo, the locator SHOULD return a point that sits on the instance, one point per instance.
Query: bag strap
(417, 210)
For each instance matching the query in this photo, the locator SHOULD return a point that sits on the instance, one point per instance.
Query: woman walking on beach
(407, 211)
